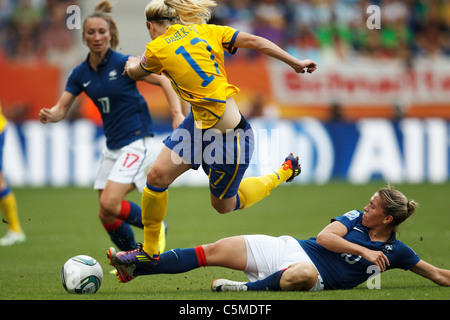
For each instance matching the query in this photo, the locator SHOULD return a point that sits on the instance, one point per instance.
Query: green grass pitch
(63, 222)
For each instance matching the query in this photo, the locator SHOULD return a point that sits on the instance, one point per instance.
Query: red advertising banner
(26, 88)
(352, 90)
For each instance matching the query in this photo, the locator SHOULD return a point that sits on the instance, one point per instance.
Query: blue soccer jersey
(345, 271)
(124, 110)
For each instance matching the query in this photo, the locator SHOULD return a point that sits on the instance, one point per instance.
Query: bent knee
(299, 277)
(106, 217)
(222, 209)
(156, 178)
(224, 205)
(109, 206)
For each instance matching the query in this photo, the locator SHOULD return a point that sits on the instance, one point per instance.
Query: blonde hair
(396, 205)
(185, 12)
(103, 10)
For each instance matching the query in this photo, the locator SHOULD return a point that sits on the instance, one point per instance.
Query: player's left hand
(378, 258)
(309, 65)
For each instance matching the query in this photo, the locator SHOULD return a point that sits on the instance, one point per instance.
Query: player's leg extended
(166, 168)
(184, 260)
(228, 191)
(253, 189)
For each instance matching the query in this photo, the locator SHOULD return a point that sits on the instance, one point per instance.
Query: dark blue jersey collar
(105, 58)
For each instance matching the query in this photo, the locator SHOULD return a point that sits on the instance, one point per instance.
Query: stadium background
(377, 110)
(377, 107)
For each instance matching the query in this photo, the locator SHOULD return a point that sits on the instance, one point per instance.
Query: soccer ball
(81, 274)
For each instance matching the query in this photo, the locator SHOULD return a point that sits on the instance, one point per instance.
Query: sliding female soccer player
(214, 134)
(127, 124)
(349, 250)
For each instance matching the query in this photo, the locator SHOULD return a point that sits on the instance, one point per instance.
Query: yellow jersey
(192, 57)
(3, 120)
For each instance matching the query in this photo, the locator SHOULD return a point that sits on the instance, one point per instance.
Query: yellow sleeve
(228, 36)
(3, 120)
(150, 62)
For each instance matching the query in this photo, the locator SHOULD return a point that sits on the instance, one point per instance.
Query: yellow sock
(254, 189)
(162, 239)
(154, 206)
(8, 205)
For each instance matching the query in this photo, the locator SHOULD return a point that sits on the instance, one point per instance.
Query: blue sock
(131, 213)
(121, 235)
(271, 283)
(178, 261)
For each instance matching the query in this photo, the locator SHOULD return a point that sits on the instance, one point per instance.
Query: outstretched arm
(435, 274)
(249, 41)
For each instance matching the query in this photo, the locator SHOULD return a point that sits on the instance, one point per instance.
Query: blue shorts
(223, 157)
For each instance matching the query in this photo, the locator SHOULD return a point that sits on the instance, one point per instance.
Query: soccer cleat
(130, 264)
(123, 273)
(222, 285)
(162, 243)
(291, 162)
(12, 238)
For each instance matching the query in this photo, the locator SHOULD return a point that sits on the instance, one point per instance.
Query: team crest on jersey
(352, 215)
(388, 248)
(113, 75)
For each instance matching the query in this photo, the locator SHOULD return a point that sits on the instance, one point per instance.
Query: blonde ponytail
(185, 12)
(104, 6)
(396, 204)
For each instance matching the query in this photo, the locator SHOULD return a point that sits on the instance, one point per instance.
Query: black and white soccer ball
(81, 274)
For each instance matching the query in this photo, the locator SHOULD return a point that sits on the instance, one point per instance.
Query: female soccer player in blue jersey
(127, 123)
(214, 134)
(349, 250)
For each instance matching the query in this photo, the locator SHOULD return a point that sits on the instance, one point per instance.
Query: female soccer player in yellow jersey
(8, 204)
(191, 54)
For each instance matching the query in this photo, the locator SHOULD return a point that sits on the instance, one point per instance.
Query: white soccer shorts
(267, 255)
(129, 164)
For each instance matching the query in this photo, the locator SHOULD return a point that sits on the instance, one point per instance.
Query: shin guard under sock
(154, 206)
